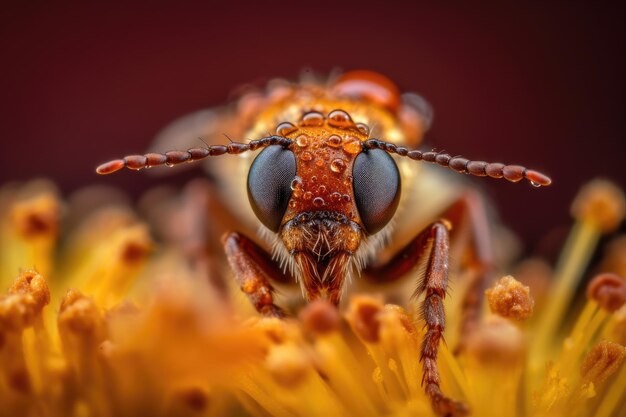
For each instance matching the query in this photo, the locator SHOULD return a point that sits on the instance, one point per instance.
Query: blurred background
(541, 85)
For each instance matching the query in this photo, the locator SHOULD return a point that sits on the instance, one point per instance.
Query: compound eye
(269, 181)
(376, 188)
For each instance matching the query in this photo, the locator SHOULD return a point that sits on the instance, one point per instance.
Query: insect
(326, 185)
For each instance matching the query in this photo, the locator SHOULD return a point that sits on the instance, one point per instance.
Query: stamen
(497, 341)
(189, 401)
(608, 290)
(596, 211)
(601, 204)
(320, 317)
(363, 317)
(31, 283)
(602, 362)
(510, 299)
(288, 364)
(30, 229)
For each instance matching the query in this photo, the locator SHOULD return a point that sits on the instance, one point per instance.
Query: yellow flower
(99, 320)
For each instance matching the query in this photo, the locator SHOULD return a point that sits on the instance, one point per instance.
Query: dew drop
(337, 165)
(339, 118)
(293, 204)
(285, 128)
(363, 128)
(306, 156)
(318, 202)
(348, 180)
(334, 141)
(352, 147)
(335, 197)
(319, 162)
(314, 178)
(297, 193)
(313, 118)
(535, 184)
(346, 198)
(296, 183)
(169, 164)
(302, 141)
(307, 195)
(321, 189)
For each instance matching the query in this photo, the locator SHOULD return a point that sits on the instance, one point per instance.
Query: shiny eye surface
(269, 181)
(376, 188)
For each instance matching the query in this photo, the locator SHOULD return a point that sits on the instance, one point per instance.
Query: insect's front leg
(472, 247)
(253, 269)
(433, 244)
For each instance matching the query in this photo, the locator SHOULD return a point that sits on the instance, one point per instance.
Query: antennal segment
(513, 173)
(172, 158)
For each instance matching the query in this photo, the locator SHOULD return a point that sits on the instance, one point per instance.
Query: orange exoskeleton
(326, 191)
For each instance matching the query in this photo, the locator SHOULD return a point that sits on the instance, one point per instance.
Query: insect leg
(253, 268)
(472, 246)
(429, 248)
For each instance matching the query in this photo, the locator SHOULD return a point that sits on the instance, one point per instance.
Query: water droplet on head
(319, 162)
(339, 118)
(308, 195)
(363, 128)
(535, 184)
(334, 141)
(293, 204)
(353, 147)
(348, 180)
(312, 118)
(285, 128)
(296, 183)
(302, 141)
(318, 202)
(346, 198)
(314, 178)
(335, 197)
(321, 189)
(306, 156)
(337, 165)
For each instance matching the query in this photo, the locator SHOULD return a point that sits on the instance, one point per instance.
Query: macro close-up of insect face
(331, 184)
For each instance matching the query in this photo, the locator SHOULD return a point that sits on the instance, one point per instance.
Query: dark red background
(541, 85)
